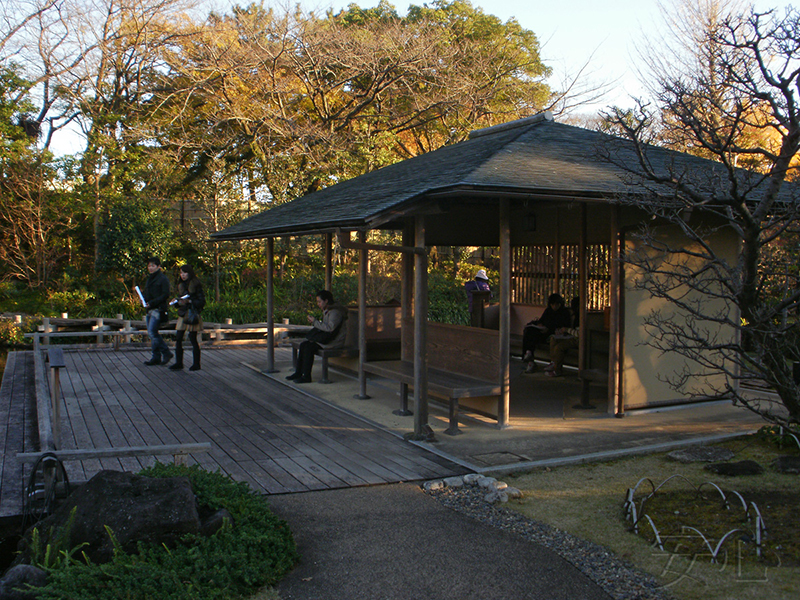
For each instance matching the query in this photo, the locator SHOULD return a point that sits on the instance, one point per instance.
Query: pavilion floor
(546, 427)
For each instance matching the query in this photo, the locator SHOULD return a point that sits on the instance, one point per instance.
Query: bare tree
(34, 222)
(738, 104)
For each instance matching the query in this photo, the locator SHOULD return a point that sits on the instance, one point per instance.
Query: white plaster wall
(645, 367)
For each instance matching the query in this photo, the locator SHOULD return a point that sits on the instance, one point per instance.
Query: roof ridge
(537, 118)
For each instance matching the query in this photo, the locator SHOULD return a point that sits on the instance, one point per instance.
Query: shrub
(10, 333)
(447, 300)
(256, 550)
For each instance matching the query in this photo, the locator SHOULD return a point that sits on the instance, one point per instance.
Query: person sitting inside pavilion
(555, 316)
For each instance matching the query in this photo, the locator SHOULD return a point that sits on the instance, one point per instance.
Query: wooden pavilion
(548, 197)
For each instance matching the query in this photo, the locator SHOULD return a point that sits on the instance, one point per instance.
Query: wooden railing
(123, 331)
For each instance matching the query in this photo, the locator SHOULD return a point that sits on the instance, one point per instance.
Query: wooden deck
(274, 437)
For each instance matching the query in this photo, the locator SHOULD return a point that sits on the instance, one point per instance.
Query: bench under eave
(452, 386)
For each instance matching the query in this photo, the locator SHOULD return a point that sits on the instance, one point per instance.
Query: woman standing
(190, 301)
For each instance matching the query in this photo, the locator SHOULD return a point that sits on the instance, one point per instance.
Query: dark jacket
(475, 285)
(156, 291)
(554, 319)
(197, 299)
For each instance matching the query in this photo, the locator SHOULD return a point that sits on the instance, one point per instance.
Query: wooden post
(126, 326)
(583, 327)
(55, 396)
(270, 306)
(98, 327)
(583, 338)
(422, 430)
(363, 258)
(55, 358)
(406, 307)
(329, 262)
(616, 403)
(479, 299)
(504, 403)
(46, 330)
(556, 258)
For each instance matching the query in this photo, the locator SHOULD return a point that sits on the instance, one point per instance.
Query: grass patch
(238, 561)
(587, 501)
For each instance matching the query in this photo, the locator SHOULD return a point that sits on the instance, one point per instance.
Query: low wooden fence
(119, 331)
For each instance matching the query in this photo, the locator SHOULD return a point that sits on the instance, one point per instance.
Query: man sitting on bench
(328, 333)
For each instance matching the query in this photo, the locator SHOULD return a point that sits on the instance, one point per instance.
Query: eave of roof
(533, 157)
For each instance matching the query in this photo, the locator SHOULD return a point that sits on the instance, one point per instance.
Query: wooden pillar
(270, 306)
(422, 430)
(363, 264)
(503, 408)
(616, 404)
(55, 399)
(329, 261)
(407, 284)
(406, 310)
(583, 329)
(556, 257)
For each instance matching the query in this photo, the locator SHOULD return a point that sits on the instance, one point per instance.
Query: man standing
(156, 295)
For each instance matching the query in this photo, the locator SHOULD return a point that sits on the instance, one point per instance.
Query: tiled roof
(533, 156)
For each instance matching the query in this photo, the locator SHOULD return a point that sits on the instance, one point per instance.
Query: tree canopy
(228, 113)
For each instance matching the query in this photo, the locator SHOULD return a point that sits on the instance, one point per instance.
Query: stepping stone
(701, 454)
(787, 464)
(736, 469)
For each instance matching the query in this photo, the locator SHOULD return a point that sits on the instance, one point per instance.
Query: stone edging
(496, 491)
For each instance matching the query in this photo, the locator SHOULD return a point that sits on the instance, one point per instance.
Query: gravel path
(617, 578)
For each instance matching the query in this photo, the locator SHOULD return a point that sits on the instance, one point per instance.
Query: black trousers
(532, 337)
(179, 347)
(305, 358)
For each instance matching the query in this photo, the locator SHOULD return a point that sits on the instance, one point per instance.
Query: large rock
(137, 509)
(787, 464)
(21, 582)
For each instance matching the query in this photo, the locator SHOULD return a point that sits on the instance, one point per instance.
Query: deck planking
(17, 399)
(275, 437)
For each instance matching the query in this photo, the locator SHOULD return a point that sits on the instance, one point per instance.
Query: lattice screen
(534, 275)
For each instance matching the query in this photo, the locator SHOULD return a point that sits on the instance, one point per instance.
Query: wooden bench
(522, 314)
(456, 354)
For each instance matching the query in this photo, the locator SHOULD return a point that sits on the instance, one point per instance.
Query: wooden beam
(43, 403)
(346, 242)
(121, 452)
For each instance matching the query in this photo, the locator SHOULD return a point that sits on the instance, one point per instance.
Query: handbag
(321, 337)
(192, 317)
